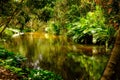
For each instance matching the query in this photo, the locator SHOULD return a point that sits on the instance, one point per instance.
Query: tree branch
(11, 17)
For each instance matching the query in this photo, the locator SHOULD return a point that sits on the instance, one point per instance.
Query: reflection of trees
(59, 62)
(64, 66)
(72, 70)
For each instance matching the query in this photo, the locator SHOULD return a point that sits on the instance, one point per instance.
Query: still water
(57, 54)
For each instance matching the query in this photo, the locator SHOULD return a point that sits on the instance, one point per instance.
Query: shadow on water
(55, 53)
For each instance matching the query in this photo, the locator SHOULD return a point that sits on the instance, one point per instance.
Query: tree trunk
(112, 70)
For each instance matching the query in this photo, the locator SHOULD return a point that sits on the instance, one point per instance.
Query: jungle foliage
(91, 28)
(76, 19)
(83, 21)
(16, 64)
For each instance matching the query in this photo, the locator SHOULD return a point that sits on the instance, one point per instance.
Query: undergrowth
(16, 64)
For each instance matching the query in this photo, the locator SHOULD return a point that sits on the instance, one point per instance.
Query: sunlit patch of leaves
(92, 25)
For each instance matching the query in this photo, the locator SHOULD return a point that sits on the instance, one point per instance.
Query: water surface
(57, 54)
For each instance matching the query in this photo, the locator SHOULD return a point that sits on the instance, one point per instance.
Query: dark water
(57, 54)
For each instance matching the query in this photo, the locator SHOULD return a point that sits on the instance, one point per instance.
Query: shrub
(16, 64)
(90, 28)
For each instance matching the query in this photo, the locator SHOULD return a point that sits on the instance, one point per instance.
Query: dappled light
(60, 39)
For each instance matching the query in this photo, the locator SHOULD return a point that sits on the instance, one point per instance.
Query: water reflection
(55, 53)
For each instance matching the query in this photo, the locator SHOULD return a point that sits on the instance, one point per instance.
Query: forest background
(79, 20)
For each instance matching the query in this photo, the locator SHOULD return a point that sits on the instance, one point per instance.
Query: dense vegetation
(17, 64)
(76, 19)
(81, 21)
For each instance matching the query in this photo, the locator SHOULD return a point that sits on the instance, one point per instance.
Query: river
(56, 53)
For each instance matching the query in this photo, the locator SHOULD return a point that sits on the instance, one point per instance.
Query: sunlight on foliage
(93, 25)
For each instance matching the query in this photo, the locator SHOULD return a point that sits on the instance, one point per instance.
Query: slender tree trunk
(113, 67)
(15, 12)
